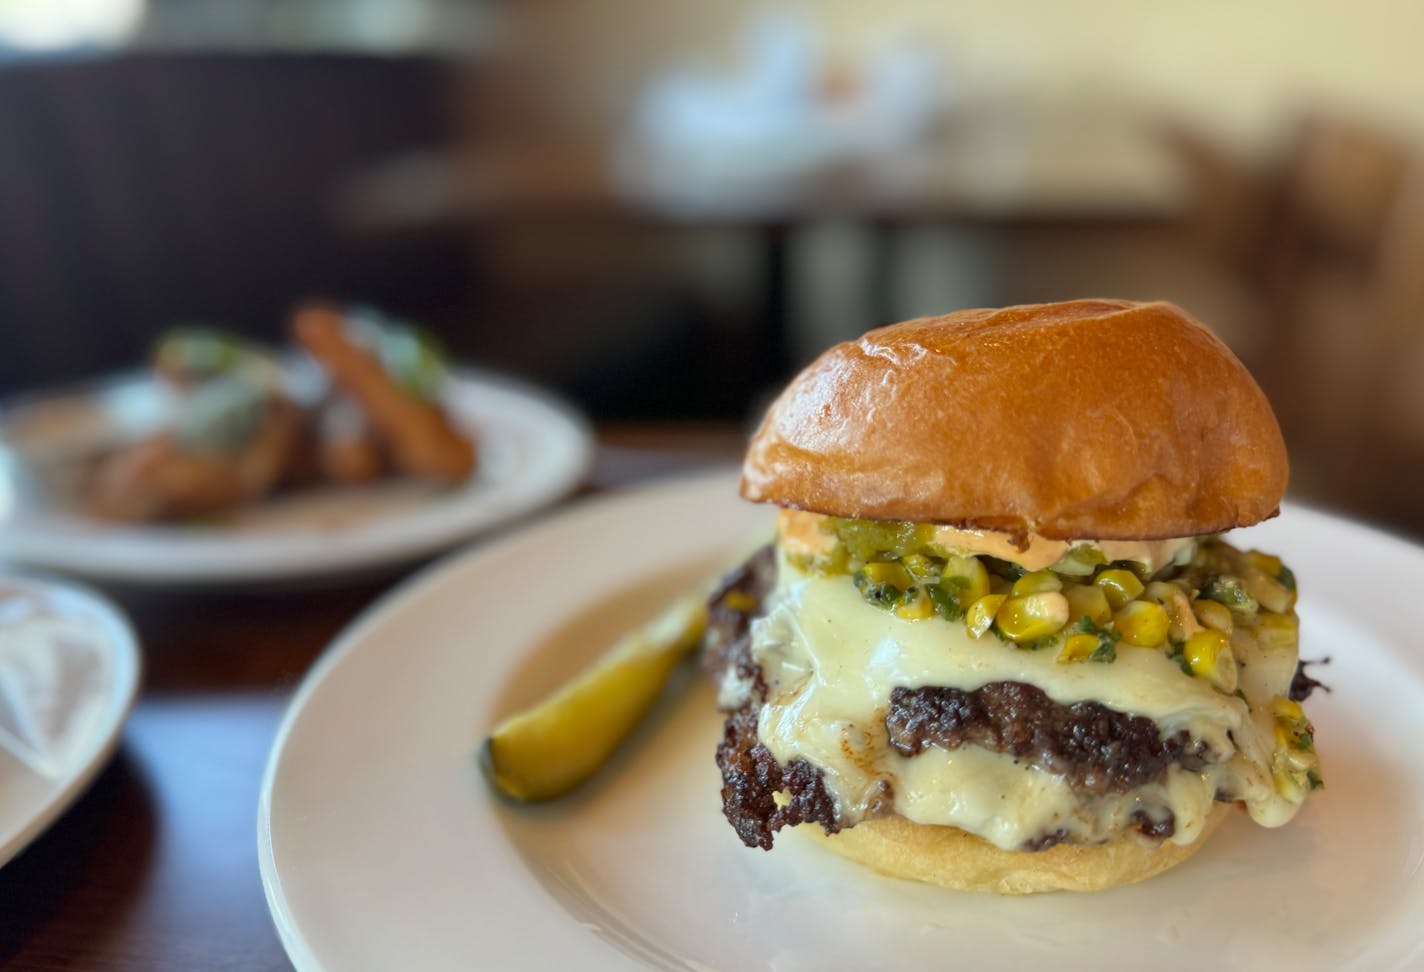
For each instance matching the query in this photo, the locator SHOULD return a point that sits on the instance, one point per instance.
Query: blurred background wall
(660, 209)
(1241, 70)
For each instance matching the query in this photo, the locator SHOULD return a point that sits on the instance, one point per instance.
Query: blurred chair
(1389, 436)
(1339, 270)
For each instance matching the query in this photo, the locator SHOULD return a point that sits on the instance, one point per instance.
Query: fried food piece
(416, 433)
(164, 477)
(348, 451)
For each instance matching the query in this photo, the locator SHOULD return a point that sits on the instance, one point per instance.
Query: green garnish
(945, 597)
(1003, 568)
(1107, 640)
(884, 596)
(1228, 591)
(411, 355)
(1287, 579)
(1178, 654)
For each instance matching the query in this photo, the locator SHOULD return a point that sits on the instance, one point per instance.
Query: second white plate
(69, 673)
(381, 847)
(533, 450)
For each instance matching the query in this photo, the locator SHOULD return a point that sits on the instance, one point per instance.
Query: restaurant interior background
(659, 209)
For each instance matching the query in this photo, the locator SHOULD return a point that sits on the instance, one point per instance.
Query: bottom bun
(952, 858)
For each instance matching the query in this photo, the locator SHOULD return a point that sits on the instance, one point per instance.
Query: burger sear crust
(1107, 419)
(1095, 749)
(752, 778)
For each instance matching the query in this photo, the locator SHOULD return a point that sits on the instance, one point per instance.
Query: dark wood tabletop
(155, 868)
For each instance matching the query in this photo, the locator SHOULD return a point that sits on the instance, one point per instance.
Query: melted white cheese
(830, 661)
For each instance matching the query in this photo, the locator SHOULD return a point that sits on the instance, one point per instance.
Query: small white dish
(533, 451)
(381, 846)
(69, 672)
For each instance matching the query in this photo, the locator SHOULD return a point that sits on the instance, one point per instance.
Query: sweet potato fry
(417, 434)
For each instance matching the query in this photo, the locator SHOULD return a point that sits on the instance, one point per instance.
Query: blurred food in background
(239, 425)
(660, 209)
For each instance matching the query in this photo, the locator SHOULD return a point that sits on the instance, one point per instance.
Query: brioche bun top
(1088, 419)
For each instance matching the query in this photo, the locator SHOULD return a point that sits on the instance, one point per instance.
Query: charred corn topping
(1192, 643)
(1295, 768)
(1199, 606)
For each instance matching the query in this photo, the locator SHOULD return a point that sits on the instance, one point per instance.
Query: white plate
(533, 451)
(69, 670)
(382, 848)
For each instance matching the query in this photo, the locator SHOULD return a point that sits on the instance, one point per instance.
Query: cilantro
(1052, 641)
(1003, 568)
(1228, 591)
(1178, 654)
(1107, 640)
(884, 596)
(946, 598)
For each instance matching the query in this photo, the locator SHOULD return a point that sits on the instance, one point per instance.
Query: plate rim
(27, 548)
(128, 680)
(299, 951)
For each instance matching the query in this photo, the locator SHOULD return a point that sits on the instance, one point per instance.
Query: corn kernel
(1078, 647)
(1036, 582)
(1209, 656)
(981, 614)
(917, 608)
(967, 576)
(1268, 564)
(921, 567)
(1087, 601)
(1032, 616)
(1286, 709)
(1277, 631)
(1119, 585)
(1270, 593)
(1182, 623)
(1289, 785)
(1214, 615)
(883, 572)
(1142, 623)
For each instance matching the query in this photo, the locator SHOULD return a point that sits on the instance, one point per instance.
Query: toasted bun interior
(1102, 419)
(952, 858)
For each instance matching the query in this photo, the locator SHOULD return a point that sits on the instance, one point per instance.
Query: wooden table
(155, 868)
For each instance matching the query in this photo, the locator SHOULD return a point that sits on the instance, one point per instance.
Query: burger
(999, 642)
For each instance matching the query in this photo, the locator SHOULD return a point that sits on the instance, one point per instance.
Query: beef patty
(1095, 749)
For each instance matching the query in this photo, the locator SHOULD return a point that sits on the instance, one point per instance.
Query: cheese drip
(830, 661)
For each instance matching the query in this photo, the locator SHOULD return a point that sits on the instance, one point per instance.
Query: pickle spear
(552, 747)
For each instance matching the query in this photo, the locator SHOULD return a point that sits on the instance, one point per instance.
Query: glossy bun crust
(1090, 419)
(952, 858)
